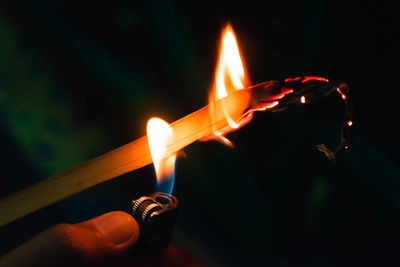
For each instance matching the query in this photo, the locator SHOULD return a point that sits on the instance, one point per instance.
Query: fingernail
(116, 227)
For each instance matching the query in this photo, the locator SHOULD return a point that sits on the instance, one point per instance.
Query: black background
(79, 78)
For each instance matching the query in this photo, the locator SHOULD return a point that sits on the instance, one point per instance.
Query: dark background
(79, 78)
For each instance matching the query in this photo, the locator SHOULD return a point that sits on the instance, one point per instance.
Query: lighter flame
(230, 75)
(160, 136)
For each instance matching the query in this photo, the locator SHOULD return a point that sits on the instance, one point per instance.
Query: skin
(107, 240)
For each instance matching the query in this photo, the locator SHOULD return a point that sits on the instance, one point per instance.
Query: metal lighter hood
(156, 216)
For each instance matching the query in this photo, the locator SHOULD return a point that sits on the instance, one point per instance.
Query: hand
(100, 240)
(103, 241)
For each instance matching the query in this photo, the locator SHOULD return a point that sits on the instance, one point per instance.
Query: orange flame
(160, 136)
(230, 75)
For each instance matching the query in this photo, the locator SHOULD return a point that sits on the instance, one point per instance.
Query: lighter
(155, 215)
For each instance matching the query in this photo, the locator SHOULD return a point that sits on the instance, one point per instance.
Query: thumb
(88, 242)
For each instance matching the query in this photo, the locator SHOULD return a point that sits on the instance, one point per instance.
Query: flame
(160, 136)
(230, 75)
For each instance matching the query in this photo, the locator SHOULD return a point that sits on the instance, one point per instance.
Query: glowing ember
(341, 93)
(349, 123)
(160, 136)
(314, 78)
(303, 99)
(292, 79)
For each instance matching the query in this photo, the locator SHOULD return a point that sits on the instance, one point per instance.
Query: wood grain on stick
(124, 159)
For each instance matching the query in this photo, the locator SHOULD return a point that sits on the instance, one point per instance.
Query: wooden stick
(127, 158)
